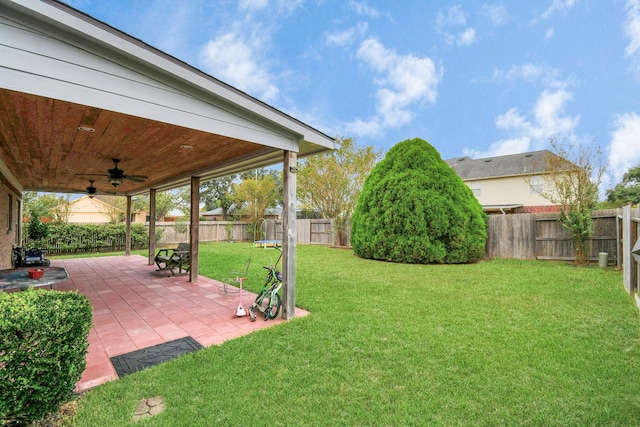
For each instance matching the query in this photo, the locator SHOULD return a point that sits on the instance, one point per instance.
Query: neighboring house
(507, 184)
(90, 210)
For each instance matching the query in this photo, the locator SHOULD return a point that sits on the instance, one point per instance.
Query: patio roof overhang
(61, 70)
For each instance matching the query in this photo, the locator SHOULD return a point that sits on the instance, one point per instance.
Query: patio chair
(168, 259)
(236, 278)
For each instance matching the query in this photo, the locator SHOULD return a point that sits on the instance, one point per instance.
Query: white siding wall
(509, 190)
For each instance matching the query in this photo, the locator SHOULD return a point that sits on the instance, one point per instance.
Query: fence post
(626, 248)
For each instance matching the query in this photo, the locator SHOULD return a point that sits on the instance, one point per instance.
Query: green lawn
(501, 342)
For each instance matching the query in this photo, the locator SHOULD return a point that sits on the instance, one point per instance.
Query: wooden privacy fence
(541, 236)
(630, 219)
(308, 231)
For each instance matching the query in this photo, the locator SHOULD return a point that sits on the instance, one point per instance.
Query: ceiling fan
(116, 175)
(91, 190)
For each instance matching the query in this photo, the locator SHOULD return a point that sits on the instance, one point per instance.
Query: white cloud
(467, 37)
(624, 149)
(500, 148)
(532, 73)
(362, 8)
(347, 36)
(497, 15)
(253, 4)
(403, 80)
(632, 30)
(237, 61)
(547, 120)
(549, 33)
(454, 17)
(557, 6)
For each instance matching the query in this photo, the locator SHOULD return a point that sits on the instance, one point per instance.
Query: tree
(37, 230)
(260, 173)
(574, 177)
(414, 208)
(256, 196)
(43, 204)
(627, 191)
(216, 193)
(330, 182)
(165, 203)
(115, 208)
(62, 212)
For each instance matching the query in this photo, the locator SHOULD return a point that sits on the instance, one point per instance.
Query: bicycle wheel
(274, 306)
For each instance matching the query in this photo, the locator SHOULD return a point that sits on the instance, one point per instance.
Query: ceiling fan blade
(136, 178)
(91, 174)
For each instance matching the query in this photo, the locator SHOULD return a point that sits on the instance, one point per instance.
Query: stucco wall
(88, 210)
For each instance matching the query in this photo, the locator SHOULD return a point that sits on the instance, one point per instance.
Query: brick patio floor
(135, 307)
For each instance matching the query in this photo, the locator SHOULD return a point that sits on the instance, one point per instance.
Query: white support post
(289, 235)
(152, 225)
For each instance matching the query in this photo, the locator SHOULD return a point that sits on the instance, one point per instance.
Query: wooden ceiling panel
(43, 147)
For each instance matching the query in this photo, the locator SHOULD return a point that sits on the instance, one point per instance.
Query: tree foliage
(575, 175)
(330, 182)
(255, 196)
(165, 203)
(628, 190)
(415, 209)
(216, 193)
(116, 207)
(47, 205)
(37, 229)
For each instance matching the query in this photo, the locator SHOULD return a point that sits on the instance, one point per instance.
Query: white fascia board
(80, 27)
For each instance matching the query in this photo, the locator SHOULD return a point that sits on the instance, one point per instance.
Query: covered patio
(136, 307)
(88, 109)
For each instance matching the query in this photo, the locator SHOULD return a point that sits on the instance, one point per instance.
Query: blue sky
(476, 78)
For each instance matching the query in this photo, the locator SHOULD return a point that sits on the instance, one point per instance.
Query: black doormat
(134, 361)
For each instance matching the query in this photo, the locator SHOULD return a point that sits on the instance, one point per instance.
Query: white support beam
(289, 235)
(194, 233)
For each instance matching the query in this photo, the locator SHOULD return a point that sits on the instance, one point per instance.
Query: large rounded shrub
(414, 208)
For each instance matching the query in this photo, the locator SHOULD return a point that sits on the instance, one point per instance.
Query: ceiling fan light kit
(91, 190)
(115, 176)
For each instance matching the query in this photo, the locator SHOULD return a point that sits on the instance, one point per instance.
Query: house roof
(63, 71)
(94, 200)
(500, 166)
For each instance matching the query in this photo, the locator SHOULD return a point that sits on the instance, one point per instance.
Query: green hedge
(44, 341)
(71, 238)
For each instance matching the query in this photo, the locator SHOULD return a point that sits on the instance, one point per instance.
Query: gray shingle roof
(500, 166)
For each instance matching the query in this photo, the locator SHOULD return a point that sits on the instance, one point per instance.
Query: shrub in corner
(414, 208)
(43, 344)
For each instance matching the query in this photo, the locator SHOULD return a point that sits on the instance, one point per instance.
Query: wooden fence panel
(630, 235)
(320, 232)
(552, 240)
(541, 236)
(510, 236)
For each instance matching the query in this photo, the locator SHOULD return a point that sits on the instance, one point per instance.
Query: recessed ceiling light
(86, 128)
(186, 147)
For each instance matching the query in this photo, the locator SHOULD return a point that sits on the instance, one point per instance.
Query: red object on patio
(36, 273)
